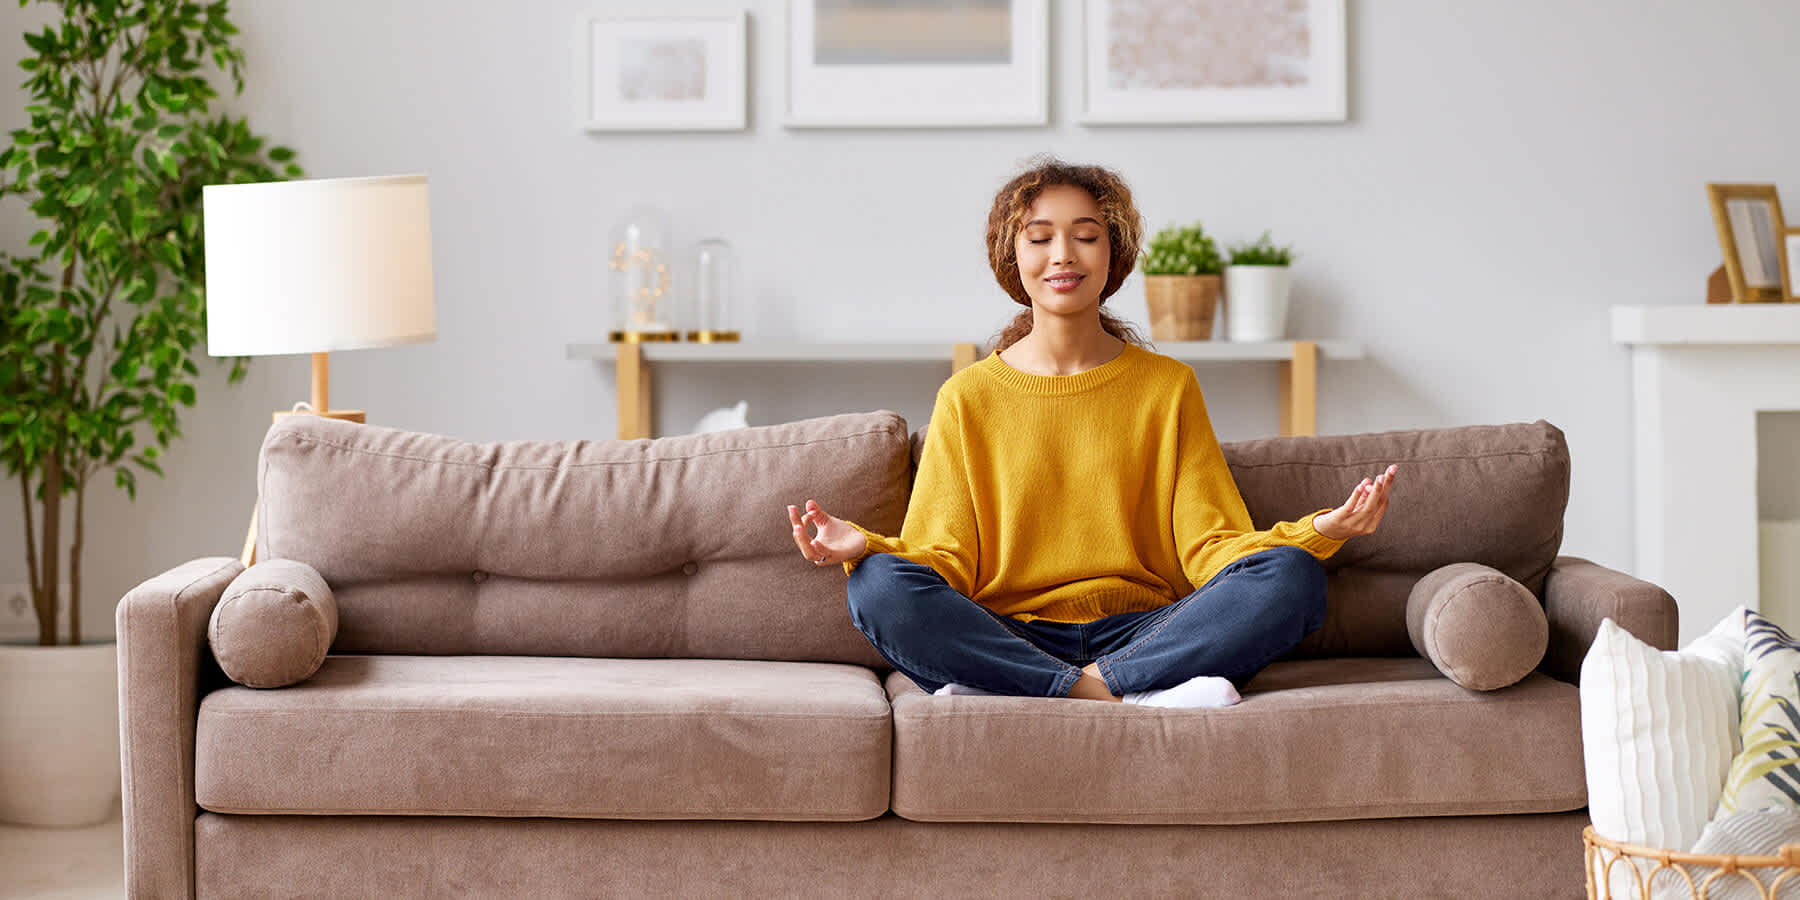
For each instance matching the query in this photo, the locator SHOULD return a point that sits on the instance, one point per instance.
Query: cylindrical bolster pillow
(1482, 629)
(274, 624)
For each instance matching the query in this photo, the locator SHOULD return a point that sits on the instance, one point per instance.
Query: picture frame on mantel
(665, 73)
(1171, 62)
(917, 63)
(1753, 239)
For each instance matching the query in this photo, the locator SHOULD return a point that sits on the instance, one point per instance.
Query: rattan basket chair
(1654, 874)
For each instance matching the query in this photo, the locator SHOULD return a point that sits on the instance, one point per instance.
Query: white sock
(962, 690)
(1200, 692)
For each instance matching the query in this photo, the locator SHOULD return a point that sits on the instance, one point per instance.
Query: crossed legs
(1244, 618)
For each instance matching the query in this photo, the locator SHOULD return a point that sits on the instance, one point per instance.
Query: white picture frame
(859, 89)
(1137, 69)
(665, 73)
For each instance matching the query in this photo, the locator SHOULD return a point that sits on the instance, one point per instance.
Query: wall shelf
(776, 352)
(1298, 360)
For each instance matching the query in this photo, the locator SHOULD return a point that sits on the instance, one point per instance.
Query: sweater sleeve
(1213, 528)
(940, 528)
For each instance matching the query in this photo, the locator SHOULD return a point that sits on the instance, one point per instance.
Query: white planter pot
(1256, 303)
(59, 734)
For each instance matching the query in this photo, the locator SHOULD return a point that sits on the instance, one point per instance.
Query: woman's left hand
(1360, 514)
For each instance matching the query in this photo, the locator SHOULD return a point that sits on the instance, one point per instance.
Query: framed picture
(1753, 238)
(1178, 61)
(917, 63)
(665, 73)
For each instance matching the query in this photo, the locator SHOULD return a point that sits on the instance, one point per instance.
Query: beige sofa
(593, 669)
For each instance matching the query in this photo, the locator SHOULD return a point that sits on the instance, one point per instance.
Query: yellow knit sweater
(1075, 497)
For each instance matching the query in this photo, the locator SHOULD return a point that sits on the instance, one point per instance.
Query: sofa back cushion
(1488, 494)
(677, 547)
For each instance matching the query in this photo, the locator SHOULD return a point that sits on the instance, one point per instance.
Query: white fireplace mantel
(1700, 374)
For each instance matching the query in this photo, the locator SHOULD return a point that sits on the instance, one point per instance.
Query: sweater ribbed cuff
(1315, 543)
(875, 544)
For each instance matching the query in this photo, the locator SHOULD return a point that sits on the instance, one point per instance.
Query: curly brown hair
(1124, 232)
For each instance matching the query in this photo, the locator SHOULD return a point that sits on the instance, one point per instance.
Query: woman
(1074, 530)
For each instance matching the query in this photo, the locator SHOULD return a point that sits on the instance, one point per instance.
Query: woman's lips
(1064, 283)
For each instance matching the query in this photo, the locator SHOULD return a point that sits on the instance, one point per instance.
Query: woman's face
(1063, 250)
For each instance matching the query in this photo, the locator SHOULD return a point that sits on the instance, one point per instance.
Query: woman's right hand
(835, 542)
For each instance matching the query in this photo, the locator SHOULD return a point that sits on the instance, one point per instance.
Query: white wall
(1509, 171)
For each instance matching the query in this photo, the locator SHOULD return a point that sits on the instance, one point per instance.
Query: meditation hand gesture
(835, 542)
(1361, 513)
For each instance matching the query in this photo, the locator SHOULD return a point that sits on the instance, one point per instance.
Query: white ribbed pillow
(1658, 732)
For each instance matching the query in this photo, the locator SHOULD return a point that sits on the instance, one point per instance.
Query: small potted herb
(1256, 291)
(1181, 283)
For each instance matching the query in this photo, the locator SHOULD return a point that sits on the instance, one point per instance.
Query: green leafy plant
(1182, 250)
(1261, 252)
(99, 329)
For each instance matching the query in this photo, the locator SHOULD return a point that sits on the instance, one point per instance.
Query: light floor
(64, 863)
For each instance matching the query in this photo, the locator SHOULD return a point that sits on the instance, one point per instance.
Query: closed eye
(1047, 240)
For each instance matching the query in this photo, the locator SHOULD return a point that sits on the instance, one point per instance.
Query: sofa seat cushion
(547, 736)
(1313, 740)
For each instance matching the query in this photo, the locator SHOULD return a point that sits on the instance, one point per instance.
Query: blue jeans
(1249, 614)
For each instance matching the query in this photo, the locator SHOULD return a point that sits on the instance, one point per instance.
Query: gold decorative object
(1642, 873)
(638, 276)
(712, 337)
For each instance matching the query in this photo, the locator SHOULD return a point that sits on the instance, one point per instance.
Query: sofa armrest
(1578, 594)
(164, 669)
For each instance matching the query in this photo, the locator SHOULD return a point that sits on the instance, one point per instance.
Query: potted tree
(1181, 283)
(99, 328)
(1256, 291)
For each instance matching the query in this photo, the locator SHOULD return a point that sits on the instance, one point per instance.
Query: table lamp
(316, 266)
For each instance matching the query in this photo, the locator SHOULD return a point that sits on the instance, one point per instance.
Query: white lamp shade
(316, 266)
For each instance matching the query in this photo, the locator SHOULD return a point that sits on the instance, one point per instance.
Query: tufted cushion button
(478, 576)
(689, 568)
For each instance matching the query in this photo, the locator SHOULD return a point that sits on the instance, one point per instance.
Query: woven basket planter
(1182, 306)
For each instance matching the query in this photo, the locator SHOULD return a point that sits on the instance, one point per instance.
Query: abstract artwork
(665, 74)
(1179, 61)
